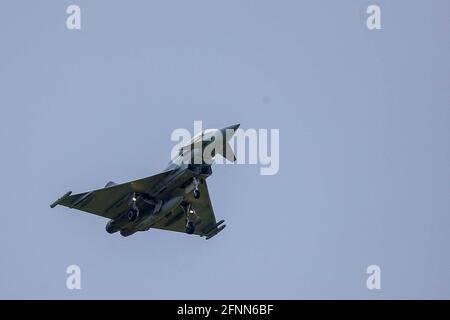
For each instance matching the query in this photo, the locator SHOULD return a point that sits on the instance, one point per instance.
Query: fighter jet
(177, 199)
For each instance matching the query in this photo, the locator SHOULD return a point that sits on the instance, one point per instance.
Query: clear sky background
(364, 119)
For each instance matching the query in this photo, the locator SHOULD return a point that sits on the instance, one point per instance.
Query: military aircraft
(176, 199)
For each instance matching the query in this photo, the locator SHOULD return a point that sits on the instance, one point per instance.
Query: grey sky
(364, 145)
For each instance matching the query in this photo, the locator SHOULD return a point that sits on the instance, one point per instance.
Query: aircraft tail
(110, 184)
(227, 152)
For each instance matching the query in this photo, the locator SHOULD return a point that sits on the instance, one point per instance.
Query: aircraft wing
(111, 201)
(203, 208)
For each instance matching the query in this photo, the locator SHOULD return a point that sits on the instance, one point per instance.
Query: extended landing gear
(133, 214)
(196, 191)
(190, 227)
(191, 217)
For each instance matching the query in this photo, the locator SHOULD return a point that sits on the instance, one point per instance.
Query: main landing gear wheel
(190, 227)
(196, 191)
(132, 214)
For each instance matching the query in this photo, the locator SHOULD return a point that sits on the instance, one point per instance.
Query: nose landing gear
(192, 218)
(190, 227)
